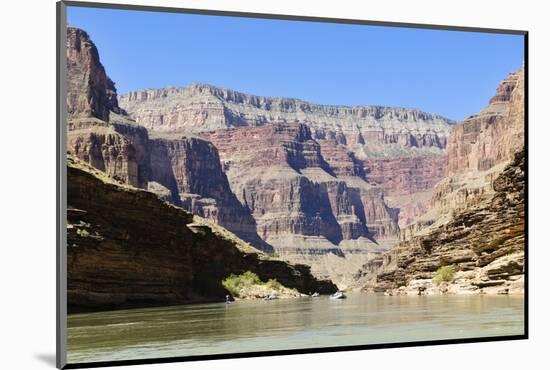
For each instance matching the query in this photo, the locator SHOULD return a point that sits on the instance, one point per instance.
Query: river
(247, 326)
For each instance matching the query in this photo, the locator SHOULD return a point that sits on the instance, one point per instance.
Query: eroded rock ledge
(127, 248)
(484, 244)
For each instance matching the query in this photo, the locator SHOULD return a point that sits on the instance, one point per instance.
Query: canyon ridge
(364, 197)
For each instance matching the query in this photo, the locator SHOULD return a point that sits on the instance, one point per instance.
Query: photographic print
(241, 185)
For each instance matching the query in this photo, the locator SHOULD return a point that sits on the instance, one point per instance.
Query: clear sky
(446, 72)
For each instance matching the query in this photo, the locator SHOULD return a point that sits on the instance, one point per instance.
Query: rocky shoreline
(462, 285)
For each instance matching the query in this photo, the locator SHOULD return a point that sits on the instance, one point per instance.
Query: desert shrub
(250, 278)
(274, 285)
(234, 283)
(444, 274)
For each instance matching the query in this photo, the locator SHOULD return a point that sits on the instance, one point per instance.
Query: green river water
(248, 326)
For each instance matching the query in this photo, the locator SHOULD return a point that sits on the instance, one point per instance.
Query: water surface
(248, 326)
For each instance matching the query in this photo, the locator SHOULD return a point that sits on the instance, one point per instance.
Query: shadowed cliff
(128, 248)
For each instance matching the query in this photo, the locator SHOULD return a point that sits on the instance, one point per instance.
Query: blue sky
(446, 72)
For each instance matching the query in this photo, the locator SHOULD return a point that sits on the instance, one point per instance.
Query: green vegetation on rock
(235, 283)
(249, 285)
(444, 274)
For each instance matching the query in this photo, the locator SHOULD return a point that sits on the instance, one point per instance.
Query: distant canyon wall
(399, 149)
(313, 177)
(201, 107)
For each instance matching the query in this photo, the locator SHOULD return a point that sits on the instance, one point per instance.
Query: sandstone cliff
(493, 135)
(480, 147)
(330, 186)
(200, 107)
(315, 178)
(90, 93)
(185, 171)
(191, 169)
(112, 148)
(127, 248)
(484, 244)
(400, 149)
(106, 140)
(475, 221)
(302, 208)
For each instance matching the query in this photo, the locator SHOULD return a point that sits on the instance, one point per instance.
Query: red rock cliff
(90, 93)
(493, 135)
(476, 220)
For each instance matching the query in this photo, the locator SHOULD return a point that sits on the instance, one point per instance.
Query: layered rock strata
(330, 186)
(191, 169)
(90, 93)
(127, 248)
(313, 177)
(120, 150)
(475, 222)
(484, 244)
(480, 147)
(495, 134)
(401, 150)
(301, 207)
(102, 135)
(375, 129)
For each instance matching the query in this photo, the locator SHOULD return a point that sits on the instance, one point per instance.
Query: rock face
(301, 207)
(480, 147)
(117, 147)
(90, 93)
(127, 248)
(111, 148)
(102, 135)
(329, 186)
(191, 169)
(406, 175)
(475, 222)
(313, 177)
(493, 135)
(201, 107)
(484, 244)
(407, 183)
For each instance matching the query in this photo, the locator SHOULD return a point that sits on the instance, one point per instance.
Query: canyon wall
(91, 98)
(126, 248)
(201, 107)
(493, 135)
(184, 171)
(320, 181)
(484, 244)
(301, 207)
(475, 222)
(480, 147)
(367, 131)
(90, 93)
(333, 187)
(292, 189)
(191, 169)
(112, 148)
